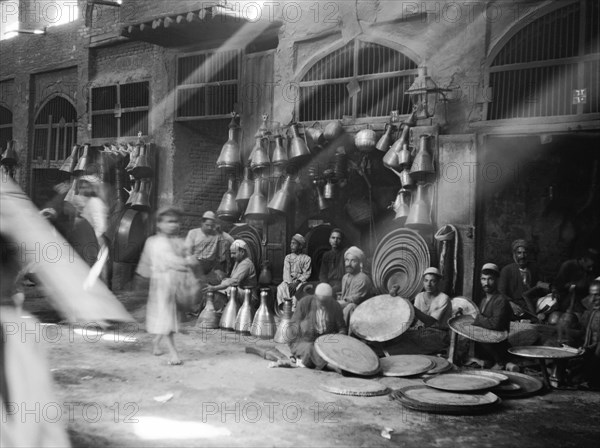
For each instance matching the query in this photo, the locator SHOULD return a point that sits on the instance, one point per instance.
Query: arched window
(55, 130)
(550, 66)
(6, 123)
(361, 79)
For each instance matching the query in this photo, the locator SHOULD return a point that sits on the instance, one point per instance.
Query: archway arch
(55, 130)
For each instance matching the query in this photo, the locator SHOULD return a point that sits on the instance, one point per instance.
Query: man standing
(315, 316)
(518, 280)
(495, 314)
(356, 285)
(332, 264)
(296, 271)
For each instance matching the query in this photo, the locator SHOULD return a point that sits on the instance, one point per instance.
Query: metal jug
(383, 144)
(135, 152)
(230, 156)
(405, 179)
(330, 189)
(83, 161)
(282, 198)
(230, 312)
(257, 205)
(423, 162)
(228, 208)
(208, 318)
(259, 157)
(141, 167)
(404, 155)
(299, 151)
(69, 164)
(419, 216)
(141, 201)
(10, 156)
(243, 320)
(245, 190)
(402, 205)
(280, 156)
(285, 331)
(263, 325)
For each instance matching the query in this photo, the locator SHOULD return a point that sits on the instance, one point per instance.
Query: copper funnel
(230, 156)
(420, 212)
(263, 325)
(69, 164)
(383, 144)
(402, 204)
(299, 151)
(82, 163)
(283, 198)
(314, 136)
(245, 190)
(135, 152)
(259, 157)
(208, 318)
(141, 201)
(285, 331)
(230, 312)
(142, 167)
(423, 163)
(10, 156)
(280, 157)
(228, 208)
(257, 205)
(243, 320)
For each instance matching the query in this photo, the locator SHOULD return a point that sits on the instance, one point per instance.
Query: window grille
(382, 73)
(120, 110)
(541, 70)
(207, 84)
(55, 130)
(6, 120)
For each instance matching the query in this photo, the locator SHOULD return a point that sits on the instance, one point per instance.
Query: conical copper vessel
(135, 152)
(141, 201)
(405, 179)
(298, 151)
(282, 198)
(391, 159)
(263, 325)
(230, 312)
(243, 320)
(286, 332)
(245, 190)
(423, 163)
(259, 157)
(142, 168)
(419, 216)
(69, 164)
(257, 205)
(404, 155)
(10, 157)
(323, 203)
(208, 318)
(72, 192)
(280, 156)
(228, 208)
(230, 156)
(134, 193)
(383, 144)
(402, 205)
(83, 161)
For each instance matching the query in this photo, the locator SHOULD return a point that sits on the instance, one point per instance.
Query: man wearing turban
(518, 280)
(356, 285)
(296, 271)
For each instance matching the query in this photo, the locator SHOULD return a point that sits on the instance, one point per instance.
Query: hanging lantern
(425, 94)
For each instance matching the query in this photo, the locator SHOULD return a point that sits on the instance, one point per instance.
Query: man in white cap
(296, 271)
(495, 314)
(314, 316)
(356, 285)
(243, 274)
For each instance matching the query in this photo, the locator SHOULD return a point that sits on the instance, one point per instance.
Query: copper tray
(528, 385)
(467, 305)
(487, 373)
(382, 318)
(463, 325)
(357, 387)
(440, 365)
(545, 352)
(347, 353)
(460, 382)
(405, 365)
(423, 398)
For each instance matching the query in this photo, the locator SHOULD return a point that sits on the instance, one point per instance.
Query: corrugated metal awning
(212, 23)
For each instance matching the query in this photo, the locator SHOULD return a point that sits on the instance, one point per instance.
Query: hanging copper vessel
(405, 179)
(333, 131)
(404, 156)
(419, 216)
(72, 192)
(133, 193)
(280, 156)
(314, 136)
(263, 325)
(10, 156)
(298, 151)
(259, 157)
(228, 209)
(365, 140)
(243, 320)
(245, 190)
(257, 205)
(423, 162)
(230, 156)
(323, 203)
(141, 167)
(283, 197)
(208, 318)
(383, 144)
(69, 164)
(330, 189)
(135, 152)
(230, 312)
(83, 161)
(141, 201)
(402, 205)
(286, 332)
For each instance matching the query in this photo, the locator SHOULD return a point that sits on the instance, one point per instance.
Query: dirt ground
(114, 392)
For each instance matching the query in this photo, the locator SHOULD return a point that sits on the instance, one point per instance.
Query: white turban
(324, 290)
(239, 244)
(299, 239)
(356, 253)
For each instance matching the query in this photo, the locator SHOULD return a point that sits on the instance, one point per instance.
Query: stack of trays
(400, 259)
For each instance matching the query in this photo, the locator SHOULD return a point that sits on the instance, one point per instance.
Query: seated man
(242, 275)
(296, 271)
(332, 264)
(314, 316)
(575, 272)
(495, 315)
(356, 285)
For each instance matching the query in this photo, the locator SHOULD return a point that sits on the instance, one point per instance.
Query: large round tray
(347, 353)
(426, 399)
(460, 382)
(467, 306)
(528, 385)
(463, 325)
(487, 373)
(545, 352)
(357, 387)
(405, 365)
(440, 365)
(382, 318)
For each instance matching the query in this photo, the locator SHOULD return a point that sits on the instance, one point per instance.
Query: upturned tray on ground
(347, 353)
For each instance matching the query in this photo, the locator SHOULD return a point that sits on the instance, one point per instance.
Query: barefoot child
(164, 261)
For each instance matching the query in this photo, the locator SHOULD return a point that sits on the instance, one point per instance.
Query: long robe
(356, 288)
(296, 268)
(332, 269)
(495, 315)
